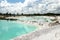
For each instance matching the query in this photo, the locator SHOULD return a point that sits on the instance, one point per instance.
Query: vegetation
(35, 14)
(4, 15)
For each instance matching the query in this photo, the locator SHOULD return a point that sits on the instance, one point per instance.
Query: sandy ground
(44, 34)
(49, 31)
(50, 34)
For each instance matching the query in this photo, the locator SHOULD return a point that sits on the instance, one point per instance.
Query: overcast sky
(30, 6)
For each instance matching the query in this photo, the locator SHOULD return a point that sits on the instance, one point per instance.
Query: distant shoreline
(3, 16)
(34, 14)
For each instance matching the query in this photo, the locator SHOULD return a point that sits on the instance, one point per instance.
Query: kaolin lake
(11, 29)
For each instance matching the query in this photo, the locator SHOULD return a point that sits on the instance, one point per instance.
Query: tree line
(34, 14)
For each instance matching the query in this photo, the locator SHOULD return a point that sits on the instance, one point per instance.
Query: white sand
(45, 33)
(50, 34)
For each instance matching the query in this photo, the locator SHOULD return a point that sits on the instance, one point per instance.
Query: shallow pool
(11, 29)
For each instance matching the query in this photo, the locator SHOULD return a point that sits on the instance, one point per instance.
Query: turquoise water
(11, 29)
